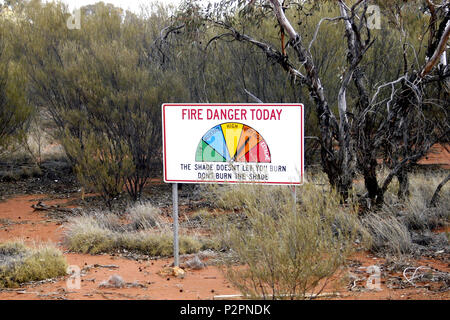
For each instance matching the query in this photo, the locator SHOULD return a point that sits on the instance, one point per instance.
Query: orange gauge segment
(249, 139)
(259, 153)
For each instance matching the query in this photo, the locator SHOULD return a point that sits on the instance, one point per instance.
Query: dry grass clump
(418, 217)
(145, 216)
(423, 184)
(20, 264)
(115, 281)
(388, 235)
(195, 263)
(227, 197)
(418, 214)
(286, 253)
(243, 197)
(200, 219)
(147, 233)
(87, 234)
(403, 227)
(158, 244)
(9, 176)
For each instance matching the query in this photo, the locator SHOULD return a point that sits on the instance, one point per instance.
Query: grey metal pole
(294, 195)
(175, 224)
(294, 191)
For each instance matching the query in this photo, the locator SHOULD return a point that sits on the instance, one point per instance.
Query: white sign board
(233, 143)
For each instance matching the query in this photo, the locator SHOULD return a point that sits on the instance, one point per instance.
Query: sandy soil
(438, 155)
(141, 278)
(19, 220)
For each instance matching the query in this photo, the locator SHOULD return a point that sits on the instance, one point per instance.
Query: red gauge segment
(260, 153)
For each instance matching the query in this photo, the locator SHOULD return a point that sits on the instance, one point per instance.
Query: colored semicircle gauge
(233, 142)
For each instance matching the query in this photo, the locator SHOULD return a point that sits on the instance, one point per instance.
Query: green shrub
(102, 164)
(20, 264)
(14, 108)
(286, 253)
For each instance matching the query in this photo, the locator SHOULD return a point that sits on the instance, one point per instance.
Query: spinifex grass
(20, 264)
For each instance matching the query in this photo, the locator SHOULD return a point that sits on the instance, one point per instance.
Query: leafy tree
(101, 164)
(104, 84)
(14, 109)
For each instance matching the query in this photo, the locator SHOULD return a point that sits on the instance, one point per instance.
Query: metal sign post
(294, 196)
(176, 250)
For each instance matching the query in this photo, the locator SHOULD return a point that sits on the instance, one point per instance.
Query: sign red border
(225, 105)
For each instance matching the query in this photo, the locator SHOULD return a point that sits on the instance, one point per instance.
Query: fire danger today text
(240, 172)
(231, 114)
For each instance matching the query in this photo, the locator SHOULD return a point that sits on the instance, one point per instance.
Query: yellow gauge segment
(232, 133)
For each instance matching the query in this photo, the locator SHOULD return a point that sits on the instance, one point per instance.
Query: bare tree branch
(435, 197)
(437, 53)
(251, 95)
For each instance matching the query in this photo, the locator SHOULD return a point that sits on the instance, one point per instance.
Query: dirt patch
(142, 278)
(361, 282)
(18, 220)
(439, 155)
(21, 221)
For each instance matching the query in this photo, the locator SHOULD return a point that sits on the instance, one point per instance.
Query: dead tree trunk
(403, 184)
(435, 198)
(365, 157)
(374, 121)
(338, 166)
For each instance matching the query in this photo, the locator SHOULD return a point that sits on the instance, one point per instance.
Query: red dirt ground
(22, 222)
(438, 155)
(19, 221)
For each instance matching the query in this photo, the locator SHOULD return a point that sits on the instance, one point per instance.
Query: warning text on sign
(230, 114)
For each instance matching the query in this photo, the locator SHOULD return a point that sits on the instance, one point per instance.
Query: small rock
(175, 271)
(179, 273)
(165, 271)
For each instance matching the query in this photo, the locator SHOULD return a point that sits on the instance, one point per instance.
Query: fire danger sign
(233, 143)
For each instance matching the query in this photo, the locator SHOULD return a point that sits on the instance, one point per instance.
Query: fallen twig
(414, 274)
(41, 206)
